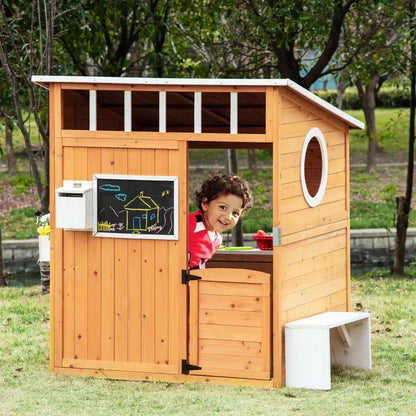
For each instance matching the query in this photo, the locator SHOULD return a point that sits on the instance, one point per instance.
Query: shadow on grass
(348, 374)
(23, 280)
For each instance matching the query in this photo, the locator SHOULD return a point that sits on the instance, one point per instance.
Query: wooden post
(232, 167)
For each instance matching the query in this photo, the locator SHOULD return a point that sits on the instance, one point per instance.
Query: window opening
(314, 167)
(216, 112)
(145, 110)
(180, 111)
(75, 109)
(252, 112)
(110, 110)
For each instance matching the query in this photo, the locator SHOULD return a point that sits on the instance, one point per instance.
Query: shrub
(258, 219)
(388, 96)
(19, 224)
(21, 183)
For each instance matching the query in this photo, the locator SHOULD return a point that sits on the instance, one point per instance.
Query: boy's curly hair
(227, 184)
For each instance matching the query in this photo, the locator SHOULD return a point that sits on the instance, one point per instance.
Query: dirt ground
(8, 199)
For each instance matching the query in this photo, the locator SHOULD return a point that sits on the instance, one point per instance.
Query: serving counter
(255, 259)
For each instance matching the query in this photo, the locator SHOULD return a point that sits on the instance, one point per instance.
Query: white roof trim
(158, 81)
(352, 121)
(43, 80)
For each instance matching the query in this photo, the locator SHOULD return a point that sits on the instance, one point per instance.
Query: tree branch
(331, 45)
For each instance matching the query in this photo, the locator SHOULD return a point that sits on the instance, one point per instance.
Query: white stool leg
(308, 361)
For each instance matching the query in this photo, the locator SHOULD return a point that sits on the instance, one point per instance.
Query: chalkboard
(130, 206)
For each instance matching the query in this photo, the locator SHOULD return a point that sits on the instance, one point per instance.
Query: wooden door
(122, 303)
(229, 323)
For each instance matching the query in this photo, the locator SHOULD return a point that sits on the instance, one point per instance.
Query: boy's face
(223, 213)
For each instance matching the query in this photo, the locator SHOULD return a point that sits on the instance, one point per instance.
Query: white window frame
(316, 133)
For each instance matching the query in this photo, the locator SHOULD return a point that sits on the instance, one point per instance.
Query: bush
(22, 182)
(258, 219)
(388, 96)
(393, 97)
(19, 224)
(367, 214)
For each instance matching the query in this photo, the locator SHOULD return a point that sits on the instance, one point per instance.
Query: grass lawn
(28, 388)
(392, 127)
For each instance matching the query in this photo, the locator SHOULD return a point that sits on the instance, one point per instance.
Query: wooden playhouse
(122, 302)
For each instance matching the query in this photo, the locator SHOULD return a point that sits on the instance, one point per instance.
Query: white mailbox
(74, 205)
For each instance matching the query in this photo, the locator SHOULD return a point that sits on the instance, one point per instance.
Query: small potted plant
(44, 229)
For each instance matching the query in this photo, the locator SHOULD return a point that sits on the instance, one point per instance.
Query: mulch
(9, 200)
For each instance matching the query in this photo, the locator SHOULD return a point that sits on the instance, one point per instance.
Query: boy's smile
(222, 213)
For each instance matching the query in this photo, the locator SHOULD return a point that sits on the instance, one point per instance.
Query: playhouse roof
(45, 80)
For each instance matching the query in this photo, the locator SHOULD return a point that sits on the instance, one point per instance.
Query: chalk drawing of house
(142, 213)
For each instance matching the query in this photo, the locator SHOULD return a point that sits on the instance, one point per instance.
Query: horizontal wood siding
(313, 265)
(122, 297)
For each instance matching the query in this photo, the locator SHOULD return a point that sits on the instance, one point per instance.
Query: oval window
(314, 167)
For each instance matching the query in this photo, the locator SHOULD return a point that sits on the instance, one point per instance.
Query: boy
(222, 200)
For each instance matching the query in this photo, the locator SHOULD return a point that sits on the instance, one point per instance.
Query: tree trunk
(341, 87)
(368, 95)
(28, 145)
(404, 202)
(400, 239)
(252, 164)
(134, 54)
(44, 200)
(3, 282)
(232, 167)
(18, 68)
(11, 160)
(160, 19)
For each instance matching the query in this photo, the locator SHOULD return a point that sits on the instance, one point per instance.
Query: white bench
(313, 344)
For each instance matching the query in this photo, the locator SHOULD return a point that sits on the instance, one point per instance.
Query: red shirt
(200, 245)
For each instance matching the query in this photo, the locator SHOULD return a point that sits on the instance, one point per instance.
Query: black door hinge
(186, 277)
(186, 368)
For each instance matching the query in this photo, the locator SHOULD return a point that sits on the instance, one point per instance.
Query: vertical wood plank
(178, 260)
(161, 273)
(94, 273)
(162, 306)
(273, 116)
(107, 275)
(69, 295)
(56, 266)
(81, 295)
(347, 208)
(194, 322)
(134, 302)
(148, 289)
(68, 251)
(120, 275)
(120, 300)
(81, 267)
(266, 327)
(134, 277)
